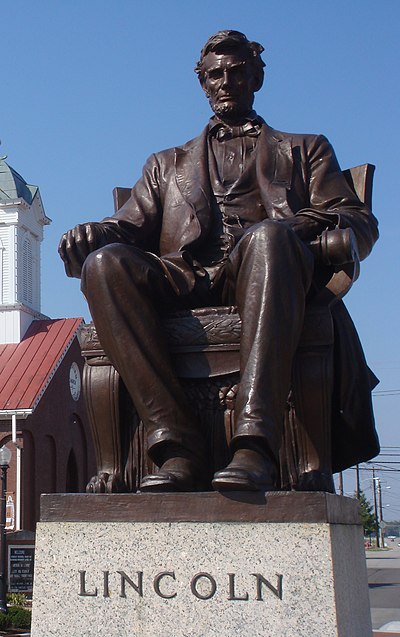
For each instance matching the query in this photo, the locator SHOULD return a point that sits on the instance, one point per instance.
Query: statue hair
(231, 42)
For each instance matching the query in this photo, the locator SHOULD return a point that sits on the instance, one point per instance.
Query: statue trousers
(267, 276)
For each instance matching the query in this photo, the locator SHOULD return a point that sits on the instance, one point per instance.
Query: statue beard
(229, 111)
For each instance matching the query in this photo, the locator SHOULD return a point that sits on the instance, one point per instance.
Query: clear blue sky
(89, 88)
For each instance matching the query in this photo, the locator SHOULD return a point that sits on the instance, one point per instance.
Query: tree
(367, 514)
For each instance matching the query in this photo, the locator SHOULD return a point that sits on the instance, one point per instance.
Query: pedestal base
(200, 565)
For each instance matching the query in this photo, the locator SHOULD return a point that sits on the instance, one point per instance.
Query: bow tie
(249, 129)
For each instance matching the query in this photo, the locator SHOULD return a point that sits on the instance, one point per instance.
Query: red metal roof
(26, 368)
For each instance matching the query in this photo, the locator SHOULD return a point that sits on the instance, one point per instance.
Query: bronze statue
(229, 218)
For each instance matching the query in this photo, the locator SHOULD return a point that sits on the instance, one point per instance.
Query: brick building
(43, 417)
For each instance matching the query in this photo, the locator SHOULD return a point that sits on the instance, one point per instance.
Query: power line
(377, 466)
(377, 461)
(391, 455)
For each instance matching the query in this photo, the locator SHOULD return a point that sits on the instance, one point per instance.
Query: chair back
(360, 179)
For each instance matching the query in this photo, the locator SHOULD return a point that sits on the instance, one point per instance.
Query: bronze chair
(205, 344)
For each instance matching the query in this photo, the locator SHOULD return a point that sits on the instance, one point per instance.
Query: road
(384, 585)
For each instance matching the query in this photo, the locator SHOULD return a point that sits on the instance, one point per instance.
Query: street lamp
(5, 457)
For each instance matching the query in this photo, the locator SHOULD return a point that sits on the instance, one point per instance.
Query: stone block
(200, 565)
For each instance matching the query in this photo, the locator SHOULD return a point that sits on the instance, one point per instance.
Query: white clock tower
(22, 218)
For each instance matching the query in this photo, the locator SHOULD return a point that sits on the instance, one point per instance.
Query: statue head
(230, 71)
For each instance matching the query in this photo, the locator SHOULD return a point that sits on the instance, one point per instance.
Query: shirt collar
(215, 123)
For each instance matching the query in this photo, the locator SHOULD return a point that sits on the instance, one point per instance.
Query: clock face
(75, 381)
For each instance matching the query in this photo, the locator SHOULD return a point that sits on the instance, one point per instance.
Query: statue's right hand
(76, 244)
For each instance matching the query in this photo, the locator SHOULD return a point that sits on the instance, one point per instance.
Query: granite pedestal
(200, 565)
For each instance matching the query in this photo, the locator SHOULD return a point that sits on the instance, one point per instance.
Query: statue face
(229, 84)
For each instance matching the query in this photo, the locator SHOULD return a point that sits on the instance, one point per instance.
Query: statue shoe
(315, 481)
(176, 474)
(248, 471)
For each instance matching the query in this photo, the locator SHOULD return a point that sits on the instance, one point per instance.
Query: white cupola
(22, 219)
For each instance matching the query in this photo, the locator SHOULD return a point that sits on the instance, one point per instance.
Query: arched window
(72, 479)
(27, 283)
(49, 451)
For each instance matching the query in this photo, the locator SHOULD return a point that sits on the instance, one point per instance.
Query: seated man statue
(224, 219)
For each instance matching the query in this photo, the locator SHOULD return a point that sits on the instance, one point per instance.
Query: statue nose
(226, 79)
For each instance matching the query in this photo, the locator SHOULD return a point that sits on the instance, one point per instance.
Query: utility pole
(382, 531)
(375, 508)
(341, 483)
(358, 490)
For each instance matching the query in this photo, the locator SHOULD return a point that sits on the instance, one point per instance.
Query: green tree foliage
(367, 514)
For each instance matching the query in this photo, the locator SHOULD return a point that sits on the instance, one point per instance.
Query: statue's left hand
(76, 244)
(305, 227)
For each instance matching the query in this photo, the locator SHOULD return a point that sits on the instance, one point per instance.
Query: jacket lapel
(274, 171)
(192, 178)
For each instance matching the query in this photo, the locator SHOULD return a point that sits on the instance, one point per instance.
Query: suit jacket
(169, 214)
(169, 207)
